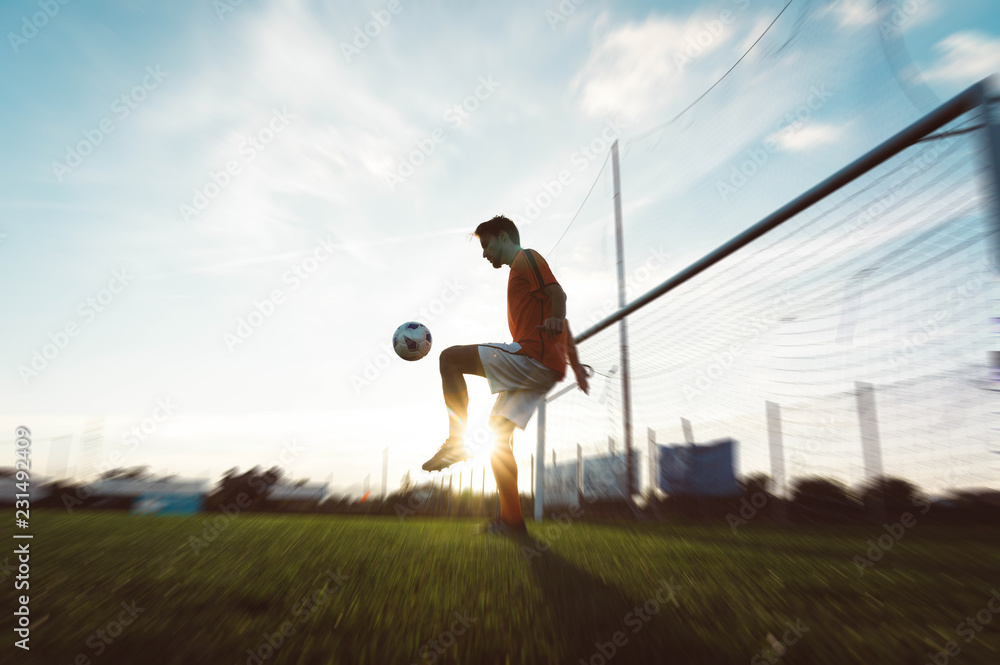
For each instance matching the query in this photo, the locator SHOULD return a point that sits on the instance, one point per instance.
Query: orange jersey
(528, 307)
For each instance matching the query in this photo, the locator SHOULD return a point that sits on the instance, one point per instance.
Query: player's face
(491, 250)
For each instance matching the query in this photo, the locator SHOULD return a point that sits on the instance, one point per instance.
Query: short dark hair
(493, 227)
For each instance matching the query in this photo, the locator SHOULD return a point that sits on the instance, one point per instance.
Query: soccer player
(522, 372)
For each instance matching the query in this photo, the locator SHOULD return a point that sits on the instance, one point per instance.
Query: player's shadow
(587, 612)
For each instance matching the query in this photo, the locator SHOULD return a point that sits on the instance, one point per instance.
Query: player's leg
(455, 362)
(505, 472)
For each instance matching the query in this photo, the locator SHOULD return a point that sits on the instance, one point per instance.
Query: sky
(215, 214)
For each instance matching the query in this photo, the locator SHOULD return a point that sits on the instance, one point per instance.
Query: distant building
(296, 497)
(698, 470)
(147, 496)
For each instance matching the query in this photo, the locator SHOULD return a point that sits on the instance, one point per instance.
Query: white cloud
(891, 16)
(636, 70)
(853, 13)
(327, 158)
(904, 16)
(966, 57)
(795, 139)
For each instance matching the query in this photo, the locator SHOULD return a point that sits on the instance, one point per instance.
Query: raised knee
(448, 358)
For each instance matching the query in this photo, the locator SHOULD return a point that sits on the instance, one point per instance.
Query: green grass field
(402, 584)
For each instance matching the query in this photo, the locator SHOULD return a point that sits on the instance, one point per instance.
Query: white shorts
(521, 381)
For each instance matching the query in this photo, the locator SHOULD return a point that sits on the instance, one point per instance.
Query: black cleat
(448, 454)
(501, 528)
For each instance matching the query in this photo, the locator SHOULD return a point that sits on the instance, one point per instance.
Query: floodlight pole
(623, 327)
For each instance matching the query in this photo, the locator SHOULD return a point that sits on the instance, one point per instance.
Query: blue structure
(164, 503)
(705, 470)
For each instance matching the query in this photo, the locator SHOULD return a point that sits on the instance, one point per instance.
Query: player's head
(494, 227)
(499, 239)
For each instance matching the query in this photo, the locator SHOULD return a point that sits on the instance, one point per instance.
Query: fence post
(540, 464)
(653, 461)
(385, 472)
(870, 444)
(776, 446)
(532, 480)
(654, 473)
(688, 433)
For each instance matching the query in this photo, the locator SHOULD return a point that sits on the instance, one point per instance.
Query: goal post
(979, 97)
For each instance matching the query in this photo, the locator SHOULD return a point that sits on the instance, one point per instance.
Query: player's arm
(555, 323)
(580, 371)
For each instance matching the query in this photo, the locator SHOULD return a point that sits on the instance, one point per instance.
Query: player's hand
(552, 326)
(581, 377)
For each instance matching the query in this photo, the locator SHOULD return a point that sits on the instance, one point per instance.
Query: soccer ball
(411, 341)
